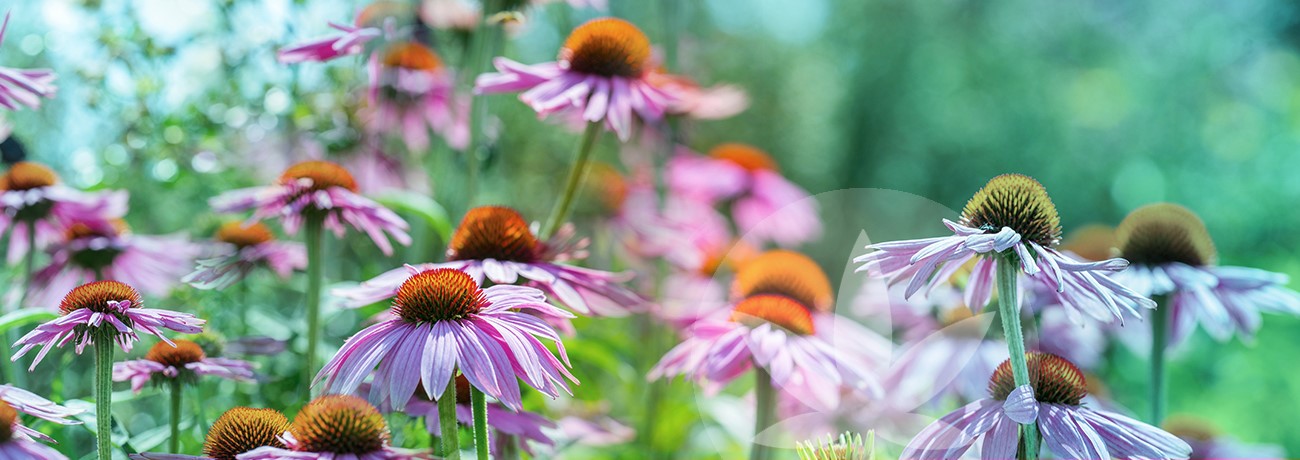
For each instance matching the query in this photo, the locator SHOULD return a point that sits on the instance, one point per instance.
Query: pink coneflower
(318, 189)
(102, 310)
(26, 402)
(601, 73)
(23, 87)
(1173, 256)
(36, 207)
(1053, 402)
(447, 322)
(412, 93)
(495, 243)
(185, 362)
(16, 443)
(507, 425)
(242, 247)
(695, 101)
(335, 427)
(93, 250)
(1010, 220)
(380, 18)
(765, 205)
(238, 430)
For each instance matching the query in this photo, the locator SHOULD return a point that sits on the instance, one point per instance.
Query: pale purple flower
(20, 446)
(699, 102)
(596, 430)
(776, 333)
(379, 19)
(495, 243)
(765, 205)
(601, 73)
(1082, 344)
(97, 250)
(23, 87)
(1173, 257)
(986, 233)
(26, 402)
(413, 93)
(445, 322)
(33, 200)
(184, 360)
(240, 248)
(320, 188)
(105, 309)
(462, 15)
(1068, 429)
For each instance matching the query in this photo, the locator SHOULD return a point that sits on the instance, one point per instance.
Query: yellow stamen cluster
(608, 47)
(26, 175)
(241, 235)
(442, 294)
(340, 424)
(1162, 233)
(1054, 379)
(1018, 202)
(777, 310)
(493, 232)
(785, 273)
(746, 156)
(95, 296)
(185, 352)
(323, 175)
(242, 429)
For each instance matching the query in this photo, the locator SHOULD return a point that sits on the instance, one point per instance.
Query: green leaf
(24, 317)
(420, 205)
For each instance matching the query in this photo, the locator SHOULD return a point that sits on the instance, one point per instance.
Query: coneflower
(1174, 262)
(317, 195)
(1010, 226)
(16, 444)
(237, 431)
(23, 87)
(175, 365)
(335, 427)
(241, 247)
(101, 314)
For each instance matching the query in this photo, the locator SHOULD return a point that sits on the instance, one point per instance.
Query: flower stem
(1009, 312)
(479, 403)
(104, 394)
(315, 279)
(175, 443)
(447, 420)
(764, 410)
(579, 170)
(1159, 343)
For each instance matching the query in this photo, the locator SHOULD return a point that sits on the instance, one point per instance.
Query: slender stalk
(576, 174)
(175, 441)
(765, 411)
(447, 420)
(1009, 312)
(509, 447)
(29, 264)
(315, 279)
(479, 403)
(104, 394)
(1159, 343)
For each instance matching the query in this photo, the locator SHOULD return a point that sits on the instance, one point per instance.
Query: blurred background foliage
(1110, 104)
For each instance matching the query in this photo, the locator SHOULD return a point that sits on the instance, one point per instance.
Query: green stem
(1159, 340)
(175, 441)
(447, 420)
(576, 173)
(315, 279)
(104, 394)
(765, 411)
(1009, 312)
(479, 404)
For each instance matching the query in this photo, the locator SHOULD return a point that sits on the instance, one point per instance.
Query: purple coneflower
(335, 427)
(445, 322)
(601, 72)
(37, 208)
(380, 18)
(412, 93)
(494, 243)
(508, 426)
(26, 402)
(23, 87)
(17, 443)
(765, 205)
(695, 101)
(1174, 262)
(94, 250)
(241, 247)
(1052, 401)
(1009, 221)
(238, 430)
(99, 314)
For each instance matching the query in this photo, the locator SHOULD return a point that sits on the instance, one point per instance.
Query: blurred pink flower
(450, 14)
(239, 249)
(26, 402)
(32, 199)
(601, 72)
(317, 187)
(23, 87)
(445, 321)
(412, 93)
(695, 101)
(765, 206)
(94, 250)
(184, 361)
(106, 308)
(380, 18)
